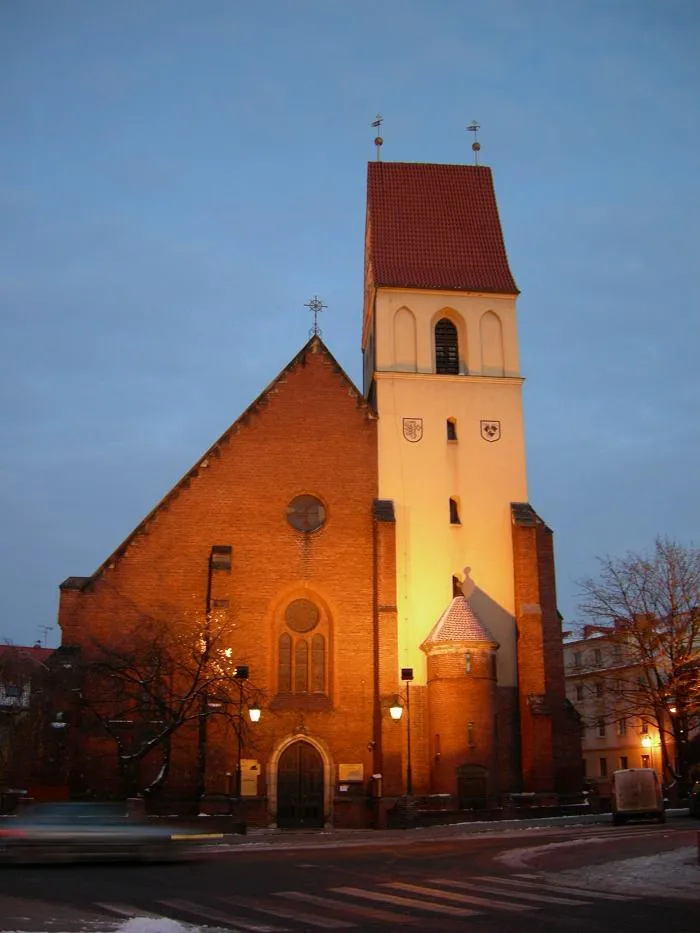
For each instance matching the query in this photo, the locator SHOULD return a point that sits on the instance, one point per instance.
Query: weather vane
(476, 145)
(315, 305)
(378, 141)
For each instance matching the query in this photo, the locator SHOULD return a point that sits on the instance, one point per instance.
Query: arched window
(302, 656)
(454, 512)
(446, 347)
(284, 674)
(318, 664)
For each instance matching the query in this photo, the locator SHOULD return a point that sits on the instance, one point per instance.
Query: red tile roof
(435, 226)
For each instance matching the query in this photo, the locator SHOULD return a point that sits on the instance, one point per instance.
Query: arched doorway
(300, 786)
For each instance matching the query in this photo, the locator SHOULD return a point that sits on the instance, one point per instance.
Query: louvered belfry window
(446, 347)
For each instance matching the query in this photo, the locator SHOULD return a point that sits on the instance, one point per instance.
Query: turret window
(454, 512)
(451, 429)
(446, 347)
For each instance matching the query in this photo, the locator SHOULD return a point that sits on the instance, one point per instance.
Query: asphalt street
(443, 880)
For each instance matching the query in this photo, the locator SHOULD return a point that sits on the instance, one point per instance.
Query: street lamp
(407, 677)
(241, 675)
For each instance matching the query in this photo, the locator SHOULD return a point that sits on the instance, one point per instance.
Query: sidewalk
(263, 838)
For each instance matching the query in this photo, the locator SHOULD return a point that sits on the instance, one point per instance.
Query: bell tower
(441, 366)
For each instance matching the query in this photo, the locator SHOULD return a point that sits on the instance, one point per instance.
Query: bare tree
(649, 606)
(142, 688)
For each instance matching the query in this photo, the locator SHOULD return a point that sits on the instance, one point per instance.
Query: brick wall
(549, 734)
(310, 432)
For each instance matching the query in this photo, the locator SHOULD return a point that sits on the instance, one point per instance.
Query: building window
(220, 557)
(446, 347)
(456, 587)
(645, 761)
(468, 662)
(454, 512)
(301, 615)
(622, 727)
(13, 691)
(601, 727)
(451, 429)
(597, 657)
(645, 728)
(470, 734)
(603, 767)
(623, 762)
(302, 661)
(306, 513)
(599, 689)
(577, 660)
(579, 692)
(284, 674)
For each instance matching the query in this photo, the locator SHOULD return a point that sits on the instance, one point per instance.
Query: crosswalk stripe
(208, 913)
(251, 904)
(458, 898)
(554, 885)
(496, 887)
(386, 898)
(371, 913)
(126, 910)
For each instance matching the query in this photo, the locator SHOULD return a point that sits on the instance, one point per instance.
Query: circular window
(306, 513)
(301, 615)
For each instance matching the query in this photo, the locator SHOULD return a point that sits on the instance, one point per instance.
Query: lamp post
(407, 677)
(241, 675)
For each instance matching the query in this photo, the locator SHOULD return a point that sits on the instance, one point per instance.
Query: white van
(636, 793)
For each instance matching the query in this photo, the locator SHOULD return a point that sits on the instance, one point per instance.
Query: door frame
(272, 769)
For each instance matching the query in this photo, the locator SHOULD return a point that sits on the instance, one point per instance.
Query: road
(531, 879)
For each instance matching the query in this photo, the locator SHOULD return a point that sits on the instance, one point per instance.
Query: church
(378, 580)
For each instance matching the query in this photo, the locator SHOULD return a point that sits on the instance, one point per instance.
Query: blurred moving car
(694, 800)
(95, 832)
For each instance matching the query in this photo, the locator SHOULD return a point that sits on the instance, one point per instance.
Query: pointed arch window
(451, 426)
(446, 347)
(284, 672)
(302, 651)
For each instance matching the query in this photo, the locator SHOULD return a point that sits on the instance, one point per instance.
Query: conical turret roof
(459, 624)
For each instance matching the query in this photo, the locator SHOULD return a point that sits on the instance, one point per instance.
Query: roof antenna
(315, 305)
(45, 629)
(378, 141)
(476, 145)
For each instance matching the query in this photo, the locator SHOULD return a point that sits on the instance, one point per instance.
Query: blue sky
(177, 179)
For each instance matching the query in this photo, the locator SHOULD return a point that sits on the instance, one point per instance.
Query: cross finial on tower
(476, 145)
(378, 141)
(315, 305)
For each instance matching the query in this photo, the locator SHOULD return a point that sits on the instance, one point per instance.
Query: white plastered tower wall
(483, 476)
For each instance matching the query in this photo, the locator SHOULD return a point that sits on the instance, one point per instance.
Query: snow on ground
(668, 874)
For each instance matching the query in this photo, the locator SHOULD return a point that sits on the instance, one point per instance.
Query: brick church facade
(359, 554)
